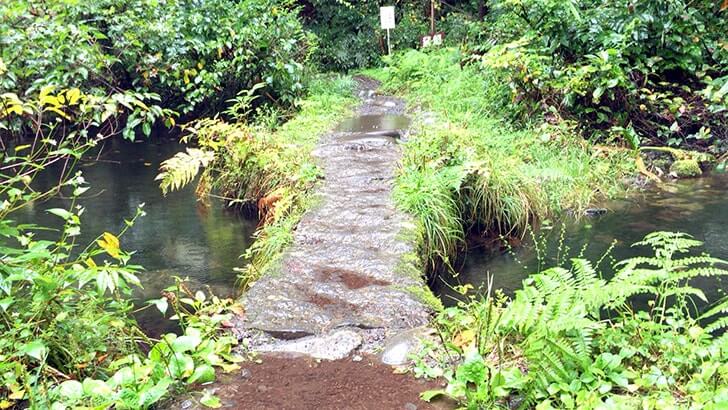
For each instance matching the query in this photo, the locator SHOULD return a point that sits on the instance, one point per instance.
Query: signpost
(388, 23)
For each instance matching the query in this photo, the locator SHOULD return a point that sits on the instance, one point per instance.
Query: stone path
(347, 282)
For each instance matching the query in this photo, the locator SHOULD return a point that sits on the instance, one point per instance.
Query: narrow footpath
(347, 300)
(349, 282)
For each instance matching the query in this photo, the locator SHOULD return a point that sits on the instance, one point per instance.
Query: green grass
(256, 164)
(468, 166)
(294, 169)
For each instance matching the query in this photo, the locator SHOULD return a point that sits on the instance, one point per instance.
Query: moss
(686, 168)
(425, 295)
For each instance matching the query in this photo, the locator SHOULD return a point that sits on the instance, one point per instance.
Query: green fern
(181, 169)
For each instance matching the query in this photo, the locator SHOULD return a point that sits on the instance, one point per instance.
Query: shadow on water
(178, 236)
(698, 207)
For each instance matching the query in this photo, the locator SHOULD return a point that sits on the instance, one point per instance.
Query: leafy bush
(67, 337)
(188, 55)
(644, 66)
(571, 339)
(467, 171)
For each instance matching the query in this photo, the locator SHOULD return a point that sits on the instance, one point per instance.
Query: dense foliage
(350, 36)
(572, 339)
(651, 71)
(67, 337)
(183, 55)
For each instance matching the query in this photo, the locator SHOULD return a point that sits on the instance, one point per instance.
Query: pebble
(245, 374)
(410, 406)
(398, 348)
(262, 388)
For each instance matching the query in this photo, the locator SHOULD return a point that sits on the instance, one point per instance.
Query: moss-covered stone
(686, 168)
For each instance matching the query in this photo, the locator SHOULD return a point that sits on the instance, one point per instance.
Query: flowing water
(178, 236)
(698, 207)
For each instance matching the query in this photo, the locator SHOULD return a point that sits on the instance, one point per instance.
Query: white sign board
(387, 17)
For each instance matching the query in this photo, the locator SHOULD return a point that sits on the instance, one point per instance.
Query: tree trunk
(482, 9)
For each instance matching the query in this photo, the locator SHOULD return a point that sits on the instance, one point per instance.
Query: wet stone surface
(344, 269)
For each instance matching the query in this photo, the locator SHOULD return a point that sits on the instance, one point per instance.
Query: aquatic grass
(469, 167)
(428, 196)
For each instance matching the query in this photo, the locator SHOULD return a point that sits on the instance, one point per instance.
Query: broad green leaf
(181, 365)
(202, 374)
(71, 390)
(99, 388)
(185, 343)
(35, 349)
(62, 213)
(431, 394)
(210, 400)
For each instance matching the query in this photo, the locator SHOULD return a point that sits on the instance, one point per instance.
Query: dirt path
(284, 383)
(346, 282)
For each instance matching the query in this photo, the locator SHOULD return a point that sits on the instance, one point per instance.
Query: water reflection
(698, 207)
(178, 236)
(374, 123)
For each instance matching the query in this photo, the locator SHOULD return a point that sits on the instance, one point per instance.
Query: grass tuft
(468, 168)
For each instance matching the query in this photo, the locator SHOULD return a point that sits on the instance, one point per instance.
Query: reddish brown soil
(281, 382)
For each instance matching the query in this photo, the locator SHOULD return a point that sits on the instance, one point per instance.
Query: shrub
(572, 339)
(187, 55)
(652, 67)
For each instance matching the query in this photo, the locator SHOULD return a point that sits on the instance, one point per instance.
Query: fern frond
(694, 260)
(586, 275)
(697, 272)
(182, 168)
(719, 324)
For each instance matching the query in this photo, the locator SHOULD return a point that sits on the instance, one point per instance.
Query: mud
(284, 382)
(347, 265)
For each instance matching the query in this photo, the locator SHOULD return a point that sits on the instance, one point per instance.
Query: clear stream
(178, 236)
(698, 207)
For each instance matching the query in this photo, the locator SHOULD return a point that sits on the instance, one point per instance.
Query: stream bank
(696, 206)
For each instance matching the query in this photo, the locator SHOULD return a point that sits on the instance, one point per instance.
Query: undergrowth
(267, 168)
(468, 168)
(570, 338)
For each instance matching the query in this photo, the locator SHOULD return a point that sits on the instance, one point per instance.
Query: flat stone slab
(348, 267)
(333, 346)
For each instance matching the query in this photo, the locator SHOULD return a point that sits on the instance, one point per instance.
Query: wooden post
(432, 17)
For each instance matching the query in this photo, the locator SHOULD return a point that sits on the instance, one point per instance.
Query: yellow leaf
(90, 263)
(17, 394)
(50, 100)
(4, 404)
(45, 91)
(110, 244)
(227, 368)
(464, 338)
(59, 112)
(73, 95)
(21, 147)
